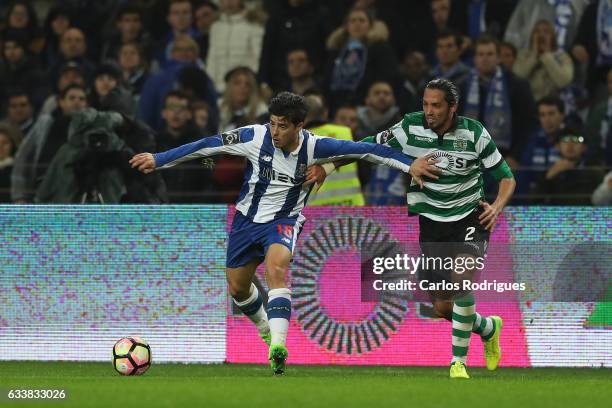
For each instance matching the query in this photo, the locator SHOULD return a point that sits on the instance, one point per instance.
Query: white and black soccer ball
(131, 356)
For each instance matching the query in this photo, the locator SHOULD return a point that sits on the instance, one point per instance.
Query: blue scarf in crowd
(476, 18)
(349, 66)
(497, 115)
(604, 33)
(563, 17)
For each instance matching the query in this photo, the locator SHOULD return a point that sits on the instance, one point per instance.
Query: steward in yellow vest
(341, 187)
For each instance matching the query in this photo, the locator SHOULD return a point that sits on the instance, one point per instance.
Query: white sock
(279, 314)
(253, 308)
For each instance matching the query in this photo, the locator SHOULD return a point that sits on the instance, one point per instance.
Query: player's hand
(488, 218)
(424, 166)
(144, 162)
(315, 174)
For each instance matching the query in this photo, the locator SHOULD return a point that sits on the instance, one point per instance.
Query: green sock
(463, 321)
(485, 326)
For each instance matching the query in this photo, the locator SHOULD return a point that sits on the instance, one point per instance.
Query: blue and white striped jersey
(272, 187)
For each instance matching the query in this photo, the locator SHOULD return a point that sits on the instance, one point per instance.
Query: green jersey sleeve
(491, 158)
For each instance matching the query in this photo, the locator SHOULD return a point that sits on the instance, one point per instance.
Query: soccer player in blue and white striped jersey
(268, 212)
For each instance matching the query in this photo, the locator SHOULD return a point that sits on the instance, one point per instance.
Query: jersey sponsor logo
(268, 173)
(423, 138)
(230, 138)
(448, 162)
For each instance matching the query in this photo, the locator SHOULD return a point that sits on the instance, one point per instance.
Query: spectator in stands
(71, 73)
(21, 18)
(565, 14)
(134, 66)
(507, 55)
(18, 68)
(200, 113)
(185, 185)
(593, 46)
(346, 115)
(500, 100)
(235, 40)
(476, 17)
(359, 55)
(301, 73)
(20, 111)
(414, 73)
(180, 19)
(439, 21)
(541, 147)
(73, 48)
(185, 52)
(297, 24)
(602, 196)
(128, 29)
(599, 126)
(206, 13)
(383, 186)
(49, 133)
(448, 53)
(547, 67)
(10, 137)
(241, 104)
(58, 21)
(108, 92)
(570, 180)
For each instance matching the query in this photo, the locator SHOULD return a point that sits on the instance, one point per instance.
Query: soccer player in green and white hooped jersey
(454, 219)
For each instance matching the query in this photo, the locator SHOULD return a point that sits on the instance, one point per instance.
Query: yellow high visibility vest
(342, 187)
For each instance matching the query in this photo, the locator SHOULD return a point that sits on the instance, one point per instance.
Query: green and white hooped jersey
(461, 152)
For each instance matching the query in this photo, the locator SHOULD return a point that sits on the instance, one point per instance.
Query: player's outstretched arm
(236, 142)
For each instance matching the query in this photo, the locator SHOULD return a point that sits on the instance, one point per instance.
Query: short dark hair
(128, 9)
(451, 93)
(487, 38)
(509, 45)
(69, 88)
(552, 100)
(289, 105)
(16, 92)
(447, 32)
(175, 93)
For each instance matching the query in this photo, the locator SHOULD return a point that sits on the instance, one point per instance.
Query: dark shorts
(450, 239)
(249, 241)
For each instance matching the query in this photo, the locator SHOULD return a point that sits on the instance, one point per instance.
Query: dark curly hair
(451, 93)
(289, 105)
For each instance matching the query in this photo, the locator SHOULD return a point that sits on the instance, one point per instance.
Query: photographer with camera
(40, 146)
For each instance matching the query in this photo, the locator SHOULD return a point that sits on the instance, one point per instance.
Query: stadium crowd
(85, 84)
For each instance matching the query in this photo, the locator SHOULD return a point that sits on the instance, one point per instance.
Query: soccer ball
(131, 356)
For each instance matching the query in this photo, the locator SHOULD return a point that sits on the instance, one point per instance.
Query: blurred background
(86, 84)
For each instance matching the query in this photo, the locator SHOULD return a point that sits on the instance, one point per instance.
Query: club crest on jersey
(460, 143)
(230, 138)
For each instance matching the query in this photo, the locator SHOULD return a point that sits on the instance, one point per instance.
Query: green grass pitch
(250, 386)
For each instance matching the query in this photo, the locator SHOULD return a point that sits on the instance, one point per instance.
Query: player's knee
(443, 309)
(238, 290)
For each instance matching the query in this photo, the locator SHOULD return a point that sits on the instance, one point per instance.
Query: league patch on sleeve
(230, 138)
(384, 137)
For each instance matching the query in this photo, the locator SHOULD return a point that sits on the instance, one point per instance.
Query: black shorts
(450, 239)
